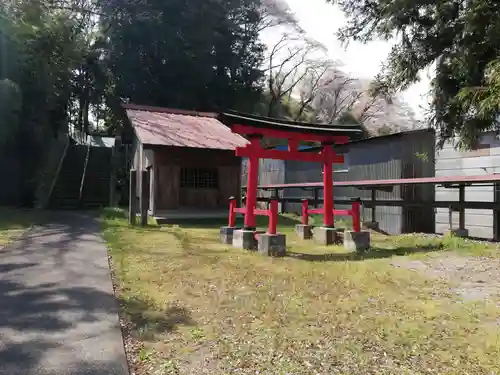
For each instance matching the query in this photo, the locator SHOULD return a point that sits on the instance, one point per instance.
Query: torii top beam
(265, 127)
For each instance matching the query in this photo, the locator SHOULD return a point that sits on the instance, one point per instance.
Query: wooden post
(374, 211)
(144, 199)
(277, 196)
(315, 202)
(461, 199)
(450, 218)
(132, 201)
(114, 167)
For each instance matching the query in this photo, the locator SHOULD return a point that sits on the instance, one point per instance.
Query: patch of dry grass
(14, 221)
(198, 307)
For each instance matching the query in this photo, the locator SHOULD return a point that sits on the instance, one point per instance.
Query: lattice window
(199, 178)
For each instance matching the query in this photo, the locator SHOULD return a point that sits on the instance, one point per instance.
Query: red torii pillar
(254, 151)
(252, 183)
(328, 219)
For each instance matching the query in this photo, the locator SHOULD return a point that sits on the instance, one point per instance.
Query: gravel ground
(472, 278)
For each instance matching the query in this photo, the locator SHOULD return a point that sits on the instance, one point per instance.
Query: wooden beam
(283, 134)
(246, 152)
(456, 206)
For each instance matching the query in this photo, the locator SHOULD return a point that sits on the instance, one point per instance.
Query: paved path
(58, 313)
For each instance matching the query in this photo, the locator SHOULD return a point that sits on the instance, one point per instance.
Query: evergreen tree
(462, 39)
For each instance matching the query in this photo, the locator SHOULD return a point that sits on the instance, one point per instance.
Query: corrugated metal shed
(167, 127)
(381, 158)
(483, 160)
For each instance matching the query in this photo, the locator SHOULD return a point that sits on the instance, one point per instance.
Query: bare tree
(309, 87)
(276, 13)
(341, 94)
(289, 61)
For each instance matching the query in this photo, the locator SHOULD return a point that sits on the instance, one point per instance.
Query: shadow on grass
(20, 218)
(110, 213)
(148, 321)
(215, 223)
(373, 253)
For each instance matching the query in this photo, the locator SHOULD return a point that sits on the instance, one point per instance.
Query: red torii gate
(256, 128)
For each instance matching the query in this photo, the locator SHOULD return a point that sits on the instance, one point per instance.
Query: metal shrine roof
(236, 118)
(157, 126)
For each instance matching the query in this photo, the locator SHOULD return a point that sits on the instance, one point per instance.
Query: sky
(321, 21)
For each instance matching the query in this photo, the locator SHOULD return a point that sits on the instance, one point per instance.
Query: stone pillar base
(357, 241)
(459, 232)
(374, 225)
(304, 231)
(272, 244)
(244, 239)
(226, 235)
(325, 236)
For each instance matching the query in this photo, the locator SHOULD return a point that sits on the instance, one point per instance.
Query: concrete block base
(325, 236)
(304, 231)
(357, 241)
(373, 225)
(226, 235)
(459, 232)
(244, 239)
(272, 244)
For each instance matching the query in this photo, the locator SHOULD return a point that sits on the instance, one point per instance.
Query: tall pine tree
(196, 54)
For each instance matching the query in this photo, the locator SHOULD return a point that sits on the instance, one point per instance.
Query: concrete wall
(453, 162)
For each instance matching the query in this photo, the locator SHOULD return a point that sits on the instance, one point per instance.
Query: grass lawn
(194, 306)
(14, 221)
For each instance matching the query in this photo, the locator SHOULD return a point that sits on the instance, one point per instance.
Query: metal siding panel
(444, 194)
(471, 219)
(270, 172)
(461, 172)
(376, 160)
(417, 161)
(481, 162)
(447, 154)
(477, 232)
(452, 162)
(479, 195)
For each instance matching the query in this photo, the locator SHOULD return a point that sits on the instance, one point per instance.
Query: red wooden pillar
(232, 212)
(356, 217)
(305, 213)
(252, 184)
(273, 217)
(327, 186)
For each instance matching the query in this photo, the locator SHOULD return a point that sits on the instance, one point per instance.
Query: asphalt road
(58, 313)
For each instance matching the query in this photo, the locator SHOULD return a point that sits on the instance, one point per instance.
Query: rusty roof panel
(164, 127)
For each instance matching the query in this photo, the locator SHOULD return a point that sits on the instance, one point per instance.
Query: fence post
(273, 217)
(355, 213)
(132, 201)
(144, 197)
(305, 209)
(232, 213)
(115, 152)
